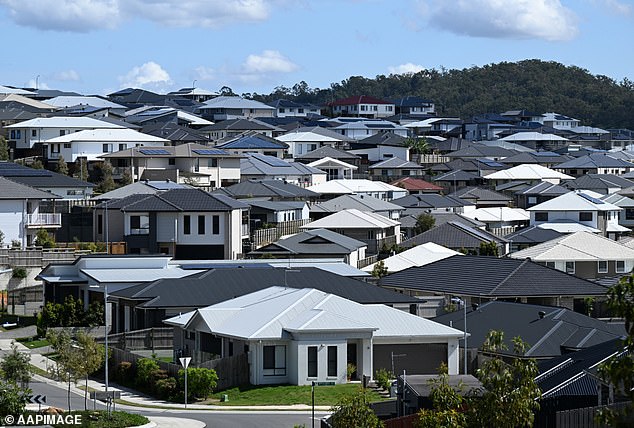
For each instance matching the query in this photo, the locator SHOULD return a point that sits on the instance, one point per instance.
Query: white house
(20, 216)
(299, 336)
(377, 189)
(578, 210)
(92, 144)
(24, 135)
(334, 168)
(305, 140)
(233, 107)
(532, 173)
(359, 129)
(362, 106)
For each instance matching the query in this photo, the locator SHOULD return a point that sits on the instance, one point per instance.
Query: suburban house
(458, 236)
(531, 195)
(335, 169)
(299, 336)
(605, 184)
(305, 140)
(143, 187)
(287, 108)
(232, 107)
(275, 212)
(185, 223)
(360, 129)
(254, 143)
(375, 230)
(381, 146)
(477, 279)
(584, 254)
(433, 202)
(275, 190)
(78, 101)
(530, 173)
(316, 243)
(256, 166)
(29, 133)
(452, 181)
(530, 236)
(232, 128)
(362, 106)
(477, 151)
(500, 220)
(419, 255)
(329, 152)
(416, 186)
(595, 163)
(479, 166)
(191, 163)
(20, 215)
(626, 216)
(360, 202)
(207, 282)
(537, 140)
(377, 189)
(481, 197)
(414, 106)
(92, 144)
(576, 211)
(149, 115)
(195, 94)
(394, 167)
(547, 159)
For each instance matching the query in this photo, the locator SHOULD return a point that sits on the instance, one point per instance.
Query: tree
(13, 399)
(353, 410)
(417, 145)
(106, 183)
(379, 270)
(16, 367)
(82, 173)
(92, 357)
(200, 381)
(619, 369)
(489, 249)
(126, 178)
(226, 91)
(509, 393)
(37, 164)
(1, 238)
(66, 364)
(62, 166)
(44, 239)
(424, 222)
(447, 404)
(4, 149)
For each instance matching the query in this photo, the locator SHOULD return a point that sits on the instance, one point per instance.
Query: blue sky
(100, 46)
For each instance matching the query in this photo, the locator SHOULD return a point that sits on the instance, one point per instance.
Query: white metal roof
(26, 101)
(269, 313)
(235, 102)
(137, 275)
(493, 214)
(567, 227)
(353, 186)
(7, 90)
(585, 200)
(528, 172)
(352, 219)
(419, 255)
(70, 101)
(533, 136)
(578, 246)
(117, 135)
(331, 162)
(308, 136)
(69, 122)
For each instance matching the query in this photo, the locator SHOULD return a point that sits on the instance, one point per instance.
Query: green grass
(32, 344)
(39, 371)
(166, 359)
(99, 419)
(286, 395)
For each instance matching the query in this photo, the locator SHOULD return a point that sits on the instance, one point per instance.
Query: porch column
(453, 356)
(366, 359)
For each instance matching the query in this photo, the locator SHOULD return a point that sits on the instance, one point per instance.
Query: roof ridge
(513, 272)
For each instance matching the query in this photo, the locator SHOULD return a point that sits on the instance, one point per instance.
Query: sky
(101, 46)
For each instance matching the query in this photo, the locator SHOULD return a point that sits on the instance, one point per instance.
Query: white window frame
(602, 266)
(616, 266)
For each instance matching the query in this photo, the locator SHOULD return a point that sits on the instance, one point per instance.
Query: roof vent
(541, 314)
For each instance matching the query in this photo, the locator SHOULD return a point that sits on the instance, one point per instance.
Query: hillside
(531, 84)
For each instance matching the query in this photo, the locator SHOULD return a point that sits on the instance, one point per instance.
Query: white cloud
(518, 19)
(64, 15)
(67, 76)
(149, 74)
(406, 68)
(88, 15)
(269, 61)
(204, 73)
(617, 7)
(37, 84)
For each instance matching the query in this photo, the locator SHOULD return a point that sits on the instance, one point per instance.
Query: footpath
(137, 401)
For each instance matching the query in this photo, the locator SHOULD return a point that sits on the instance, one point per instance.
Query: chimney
(541, 314)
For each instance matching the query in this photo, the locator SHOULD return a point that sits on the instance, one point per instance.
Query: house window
(603, 266)
(371, 234)
(215, 225)
(532, 200)
(282, 110)
(67, 145)
(212, 163)
(106, 148)
(364, 108)
(312, 361)
(300, 110)
(620, 266)
(139, 225)
(187, 225)
(171, 161)
(550, 265)
(34, 133)
(570, 267)
(274, 361)
(99, 224)
(541, 216)
(122, 147)
(585, 216)
(332, 361)
(135, 222)
(201, 224)
(62, 132)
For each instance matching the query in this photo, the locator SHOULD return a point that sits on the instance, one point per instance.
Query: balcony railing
(44, 220)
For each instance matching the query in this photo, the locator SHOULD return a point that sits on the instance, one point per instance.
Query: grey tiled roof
(479, 193)
(328, 151)
(177, 200)
(11, 190)
(454, 235)
(491, 277)
(38, 177)
(316, 242)
(532, 235)
(266, 188)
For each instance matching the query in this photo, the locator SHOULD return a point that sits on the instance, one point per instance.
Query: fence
(38, 257)
(262, 237)
(367, 261)
(150, 338)
(121, 355)
(584, 417)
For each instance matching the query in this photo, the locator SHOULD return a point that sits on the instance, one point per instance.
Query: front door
(352, 358)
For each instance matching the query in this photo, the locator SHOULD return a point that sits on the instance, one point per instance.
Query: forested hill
(534, 85)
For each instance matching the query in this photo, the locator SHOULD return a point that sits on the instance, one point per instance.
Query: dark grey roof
(253, 141)
(218, 285)
(177, 200)
(327, 151)
(275, 205)
(239, 124)
(411, 101)
(532, 235)
(266, 188)
(599, 182)
(543, 188)
(535, 158)
(595, 160)
(481, 150)
(380, 139)
(559, 330)
(360, 202)
(454, 235)
(491, 277)
(12, 190)
(430, 201)
(480, 194)
(396, 163)
(38, 177)
(316, 241)
(422, 385)
(458, 175)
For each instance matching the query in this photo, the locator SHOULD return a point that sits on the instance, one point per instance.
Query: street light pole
(464, 307)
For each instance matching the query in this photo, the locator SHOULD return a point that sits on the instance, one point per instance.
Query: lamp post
(464, 306)
(105, 312)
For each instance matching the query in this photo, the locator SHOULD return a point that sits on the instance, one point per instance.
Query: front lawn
(99, 419)
(34, 343)
(286, 395)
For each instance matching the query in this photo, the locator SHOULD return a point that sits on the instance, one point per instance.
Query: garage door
(200, 252)
(415, 358)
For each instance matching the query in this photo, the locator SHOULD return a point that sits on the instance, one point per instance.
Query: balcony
(43, 220)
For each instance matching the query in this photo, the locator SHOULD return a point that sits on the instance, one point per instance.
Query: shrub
(124, 373)
(146, 371)
(165, 388)
(383, 378)
(15, 243)
(200, 381)
(19, 272)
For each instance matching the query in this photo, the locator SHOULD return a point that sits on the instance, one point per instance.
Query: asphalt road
(57, 397)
